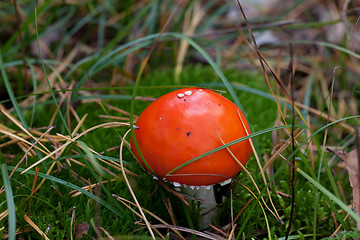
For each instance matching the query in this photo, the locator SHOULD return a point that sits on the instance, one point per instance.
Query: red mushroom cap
(186, 123)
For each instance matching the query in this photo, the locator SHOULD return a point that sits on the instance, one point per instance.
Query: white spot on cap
(176, 184)
(180, 95)
(200, 90)
(188, 93)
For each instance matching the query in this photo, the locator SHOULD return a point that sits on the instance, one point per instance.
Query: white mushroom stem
(208, 205)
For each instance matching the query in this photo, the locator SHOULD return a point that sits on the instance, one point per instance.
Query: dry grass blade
(192, 19)
(52, 77)
(76, 193)
(292, 136)
(170, 210)
(339, 227)
(120, 111)
(262, 173)
(130, 189)
(112, 124)
(27, 151)
(124, 201)
(242, 209)
(181, 196)
(17, 123)
(34, 183)
(231, 235)
(219, 230)
(20, 139)
(34, 226)
(63, 97)
(4, 214)
(251, 178)
(72, 222)
(114, 117)
(53, 164)
(321, 114)
(262, 62)
(106, 233)
(191, 231)
(281, 149)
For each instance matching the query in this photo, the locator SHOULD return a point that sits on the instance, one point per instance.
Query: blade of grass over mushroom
(10, 202)
(225, 146)
(276, 215)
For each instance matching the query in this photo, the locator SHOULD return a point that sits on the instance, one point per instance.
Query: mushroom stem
(209, 197)
(208, 205)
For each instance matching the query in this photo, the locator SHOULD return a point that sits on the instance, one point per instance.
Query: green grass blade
(329, 45)
(78, 26)
(71, 186)
(96, 165)
(280, 168)
(225, 146)
(11, 42)
(330, 195)
(10, 203)
(33, 77)
(11, 93)
(47, 79)
(93, 160)
(121, 33)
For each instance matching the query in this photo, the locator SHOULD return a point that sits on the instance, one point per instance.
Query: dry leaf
(352, 166)
(82, 228)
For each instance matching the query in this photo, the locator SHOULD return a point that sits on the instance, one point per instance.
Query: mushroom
(184, 124)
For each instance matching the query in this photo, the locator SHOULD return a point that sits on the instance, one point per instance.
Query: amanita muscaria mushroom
(184, 124)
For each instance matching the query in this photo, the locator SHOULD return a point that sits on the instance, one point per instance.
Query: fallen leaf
(82, 228)
(352, 166)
